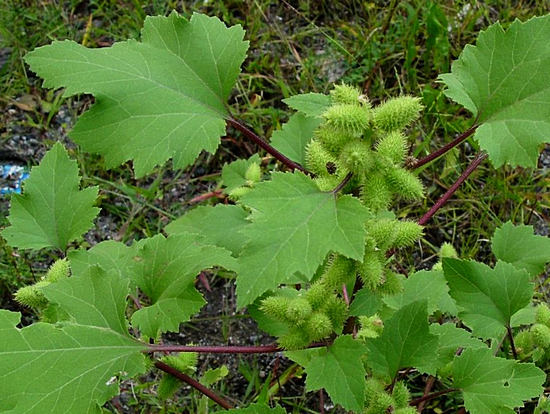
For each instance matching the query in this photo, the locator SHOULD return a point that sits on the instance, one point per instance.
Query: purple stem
(261, 143)
(343, 183)
(474, 164)
(195, 384)
(444, 149)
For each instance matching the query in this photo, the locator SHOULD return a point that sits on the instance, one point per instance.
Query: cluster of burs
(534, 343)
(369, 143)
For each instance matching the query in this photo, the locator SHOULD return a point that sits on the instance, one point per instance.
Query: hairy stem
(263, 349)
(432, 396)
(512, 344)
(343, 183)
(195, 384)
(445, 148)
(267, 147)
(445, 197)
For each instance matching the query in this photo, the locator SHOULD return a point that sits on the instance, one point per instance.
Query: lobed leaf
(492, 385)
(294, 226)
(519, 246)
(155, 99)
(72, 369)
(52, 211)
(487, 298)
(504, 81)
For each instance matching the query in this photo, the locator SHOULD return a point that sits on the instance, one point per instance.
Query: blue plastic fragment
(14, 175)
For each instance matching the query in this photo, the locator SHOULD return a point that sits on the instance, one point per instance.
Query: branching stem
(266, 146)
(432, 396)
(445, 148)
(448, 194)
(195, 384)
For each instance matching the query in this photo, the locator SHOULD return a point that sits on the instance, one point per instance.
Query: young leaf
(310, 104)
(294, 226)
(219, 225)
(94, 299)
(46, 369)
(429, 285)
(503, 81)
(165, 270)
(52, 211)
(233, 174)
(487, 298)
(339, 370)
(365, 303)
(294, 136)
(162, 97)
(519, 246)
(405, 342)
(492, 385)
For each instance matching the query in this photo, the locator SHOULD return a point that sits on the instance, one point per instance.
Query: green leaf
(492, 385)
(254, 409)
(451, 339)
(155, 99)
(294, 226)
(52, 211)
(165, 270)
(96, 299)
(46, 369)
(339, 370)
(519, 246)
(219, 225)
(294, 136)
(110, 255)
(365, 303)
(233, 174)
(429, 285)
(310, 104)
(405, 342)
(487, 298)
(503, 81)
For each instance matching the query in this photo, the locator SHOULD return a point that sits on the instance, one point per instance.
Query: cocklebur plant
(311, 247)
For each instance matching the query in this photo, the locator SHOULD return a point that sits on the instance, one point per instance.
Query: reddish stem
(195, 384)
(512, 344)
(261, 143)
(432, 396)
(445, 148)
(264, 349)
(429, 384)
(343, 183)
(474, 164)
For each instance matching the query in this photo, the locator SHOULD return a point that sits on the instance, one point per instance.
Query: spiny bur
(253, 174)
(393, 145)
(541, 335)
(333, 139)
(371, 327)
(318, 158)
(347, 94)
(405, 184)
(339, 270)
(58, 271)
(375, 193)
(396, 113)
(337, 311)
(318, 326)
(356, 156)
(401, 395)
(316, 295)
(275, 306)
(406, 233)
(298, 310)
(353, 119)
(524, 342)
(392, 285)
(542, 314)
(383, 232)
(371, 270)
(294, 339)
(32, 296)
